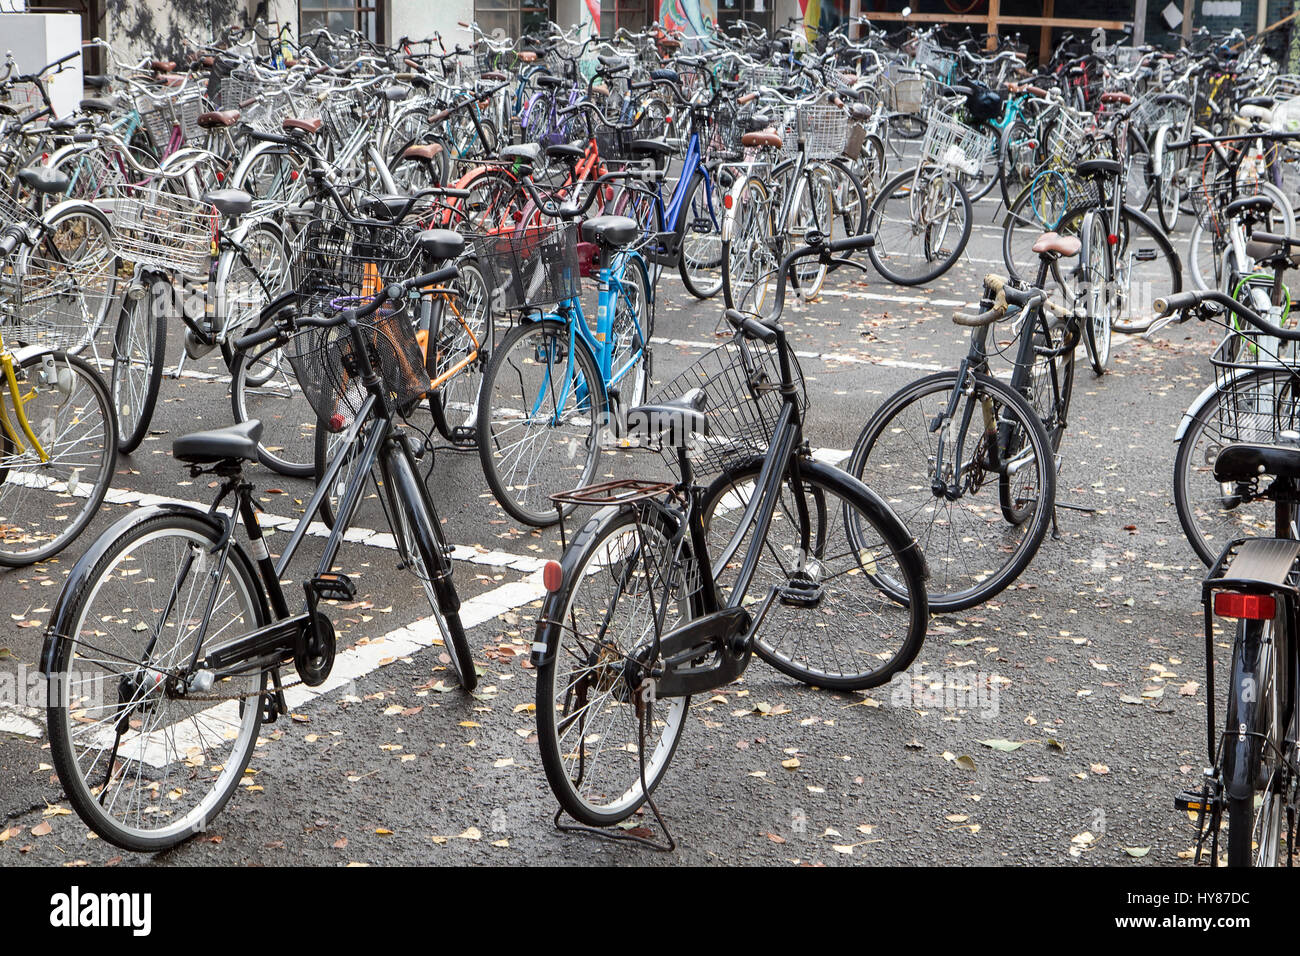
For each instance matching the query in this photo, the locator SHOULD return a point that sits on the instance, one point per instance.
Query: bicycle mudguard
(1199, 404)
(25, 353)
(78, 577)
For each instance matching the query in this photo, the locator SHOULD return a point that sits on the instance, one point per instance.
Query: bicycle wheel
(700, 264)
(599, 632)
(247, 279)
(921, 224)
(45, 503)
(144, 765)
(1051, 380)
(326, 445)
(1017, 159)
(831, 625)
(852, 196)
(464, 331)
(1040, 208)
(422, 551)
(1170, 169)
(1256, 407)
(978, 539)
(1094, 289)
(812, 209)
(1252, 762)
(263, 387)
(541, 410)
(631, 331)
(139, 347)
(748, 252)
(69, 281)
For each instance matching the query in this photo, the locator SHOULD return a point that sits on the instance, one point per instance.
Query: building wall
(159, 27)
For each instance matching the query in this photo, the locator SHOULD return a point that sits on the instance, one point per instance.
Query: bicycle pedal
(333, 587)
(1195, 801)
(801, 592)
(464, 436)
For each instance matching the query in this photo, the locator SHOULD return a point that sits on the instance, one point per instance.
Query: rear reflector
(552, 576)
(1252, 607)
(727, 201)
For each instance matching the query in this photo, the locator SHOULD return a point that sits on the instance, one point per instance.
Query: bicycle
(1252, 779)
(968, 460)
(164, 649)
(555, 387)
(651, 602)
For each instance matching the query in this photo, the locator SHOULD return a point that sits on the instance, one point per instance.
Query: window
(755, 11)
(340, 16)
(514, 18)
(632, 15)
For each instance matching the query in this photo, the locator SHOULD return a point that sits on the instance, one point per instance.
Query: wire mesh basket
(1065, 136)
(950, 142)
(741, 381)
(1284, 86)
(13, 212)
(823, 128)
(767, 76)
(906, 93)
(930, 57)
(1149, 115)
(336, 263)
(530, 267)
(159, 119)
(1255, 407)
(330, 368)
(158, 229)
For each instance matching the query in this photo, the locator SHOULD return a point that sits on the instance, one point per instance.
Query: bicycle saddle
(215, 118)
(1114, 96)
(547, 79)
(386, 207)
(1247, 204)
(1057, 246)
(610, 231)
(613, 64)
(45, 180)
(441, 243)
(650, 147)
(760, 139)
(665, 75)
(306, 126)
(568, 152)
(1099, 167)
(528, 153)
(678, 418)
(231, 443)
(93, 104)
(1243, 462)
(230, 202)
(1276, 250)
(422, 151)
(1164, 98)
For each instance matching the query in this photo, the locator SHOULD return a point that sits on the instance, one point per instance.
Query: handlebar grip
(246, 342)
(751, 328)
(865, 241)
(1169, 304)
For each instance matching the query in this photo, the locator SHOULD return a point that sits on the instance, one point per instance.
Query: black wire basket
(330, 368)
(337, 264)
(1256, 407)
(742, 382)
(530, 267)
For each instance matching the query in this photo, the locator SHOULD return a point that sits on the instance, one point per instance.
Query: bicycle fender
(78, 577)
(24, 353)
(549, 619)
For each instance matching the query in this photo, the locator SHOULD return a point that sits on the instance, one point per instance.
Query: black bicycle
(1253, 780)
(165, 648)
(668, 589)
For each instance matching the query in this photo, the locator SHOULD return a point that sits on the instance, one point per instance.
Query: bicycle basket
(908, 94)
(950, 142)
(1255, 408)
(330, 369)
(825, 131)
(741, 380)
(337, 259)
(163, 230)
(531, 267)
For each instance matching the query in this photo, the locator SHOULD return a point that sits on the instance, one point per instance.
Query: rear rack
(622, 491)
(1255, 565)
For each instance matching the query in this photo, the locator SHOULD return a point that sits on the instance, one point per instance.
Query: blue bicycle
(556, 389)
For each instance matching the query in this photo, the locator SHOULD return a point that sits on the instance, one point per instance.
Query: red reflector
(1112, 239)
(553, 576)
(1253, 607)
(293, 175)
(728, 201)
(221, 177)
(337, 422)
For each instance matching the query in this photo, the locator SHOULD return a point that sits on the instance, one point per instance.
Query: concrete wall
(36, 39)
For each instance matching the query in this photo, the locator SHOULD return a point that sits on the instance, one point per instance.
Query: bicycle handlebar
(1184, 302)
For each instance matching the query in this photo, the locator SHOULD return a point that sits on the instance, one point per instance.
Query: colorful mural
(593, 11)
(690, 16)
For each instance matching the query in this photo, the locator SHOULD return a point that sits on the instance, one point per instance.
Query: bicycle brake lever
(835, 263)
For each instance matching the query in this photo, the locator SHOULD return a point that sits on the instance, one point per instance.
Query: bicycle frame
(15, 396)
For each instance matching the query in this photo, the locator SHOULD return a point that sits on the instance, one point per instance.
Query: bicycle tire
(139, 351)
(893, 481)
(934, 256)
